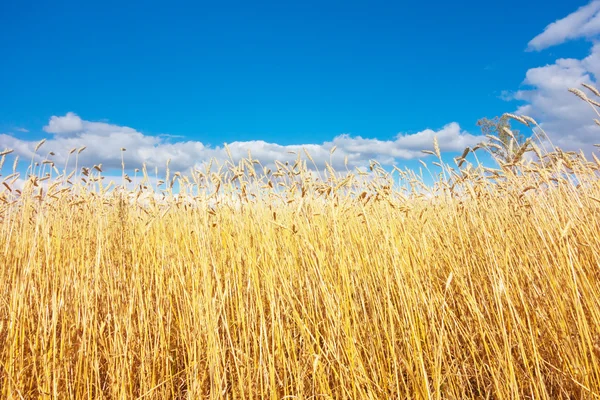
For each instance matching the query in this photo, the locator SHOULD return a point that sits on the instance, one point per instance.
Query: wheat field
(283, 284)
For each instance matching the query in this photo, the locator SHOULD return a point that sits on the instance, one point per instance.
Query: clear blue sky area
(279, 71)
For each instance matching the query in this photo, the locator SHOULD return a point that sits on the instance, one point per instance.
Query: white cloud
(583, 23)
(70, 123)
(104, 141)
(22, 130)
(566, 119)
(450, 138)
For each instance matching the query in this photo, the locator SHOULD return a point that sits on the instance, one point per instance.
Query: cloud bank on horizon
(567, 120)
(104, 141)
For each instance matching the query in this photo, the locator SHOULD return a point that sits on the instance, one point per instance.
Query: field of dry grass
(280, 284)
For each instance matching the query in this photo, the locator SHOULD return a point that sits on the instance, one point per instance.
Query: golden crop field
(285, 284)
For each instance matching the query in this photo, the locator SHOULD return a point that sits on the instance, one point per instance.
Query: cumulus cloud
(583, 23)
(450, 138)
(567, 120)
(103, 142)
(70, 123)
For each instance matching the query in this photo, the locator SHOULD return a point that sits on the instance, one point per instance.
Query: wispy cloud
(22, 130)
(583, 23)
(104, 141)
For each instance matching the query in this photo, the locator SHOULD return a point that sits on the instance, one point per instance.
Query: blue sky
(280, 72)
